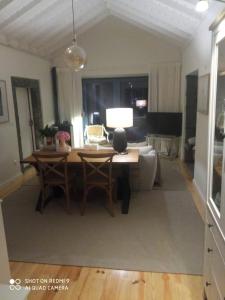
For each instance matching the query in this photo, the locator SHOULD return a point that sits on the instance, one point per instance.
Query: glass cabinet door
(219, 133)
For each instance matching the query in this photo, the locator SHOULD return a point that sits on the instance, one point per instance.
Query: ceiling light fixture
(75, 56)
(203, 5)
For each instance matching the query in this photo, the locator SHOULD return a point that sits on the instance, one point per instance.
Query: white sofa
(147, 172)
(143, 176)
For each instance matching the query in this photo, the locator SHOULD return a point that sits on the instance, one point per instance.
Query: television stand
(165, 145)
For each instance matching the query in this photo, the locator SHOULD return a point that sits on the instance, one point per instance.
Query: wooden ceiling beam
(148, 21)
(156, 20)
(45, 26)
(28, 18)
(4, 3)
(19, 13)
(59, 48)
(48, 20)
(59, 32)
(182, 8)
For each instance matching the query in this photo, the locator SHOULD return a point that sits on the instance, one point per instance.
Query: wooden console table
(123, 161)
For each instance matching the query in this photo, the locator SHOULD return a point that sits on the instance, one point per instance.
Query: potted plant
(48, 134)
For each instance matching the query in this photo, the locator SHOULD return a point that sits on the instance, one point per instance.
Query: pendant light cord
(74, 31)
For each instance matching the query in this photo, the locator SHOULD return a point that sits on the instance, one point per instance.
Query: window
(102, 93)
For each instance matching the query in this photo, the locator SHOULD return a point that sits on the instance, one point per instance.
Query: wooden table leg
(38, 204)
(56, 192)
(124, 189)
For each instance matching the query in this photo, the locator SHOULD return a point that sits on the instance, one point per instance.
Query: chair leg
(73, 189)
(43, 196)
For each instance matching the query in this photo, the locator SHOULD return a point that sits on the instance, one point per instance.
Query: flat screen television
(165, 123)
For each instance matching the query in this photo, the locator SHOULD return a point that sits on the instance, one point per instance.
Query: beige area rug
(171, 179)
(163, 232)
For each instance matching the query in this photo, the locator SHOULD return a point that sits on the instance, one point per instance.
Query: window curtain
(164, 88)
(70, 104)
(153, 90)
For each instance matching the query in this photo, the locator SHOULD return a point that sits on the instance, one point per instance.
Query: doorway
(191, 120)
(28, 114)
(25, 121)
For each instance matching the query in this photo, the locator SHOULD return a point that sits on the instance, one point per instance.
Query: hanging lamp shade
(202, 5)
(75, 57)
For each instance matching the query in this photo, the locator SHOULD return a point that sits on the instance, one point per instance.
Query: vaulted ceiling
(43, 27)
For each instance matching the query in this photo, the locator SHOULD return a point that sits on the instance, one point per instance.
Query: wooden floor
(104, 284)
(16, 183)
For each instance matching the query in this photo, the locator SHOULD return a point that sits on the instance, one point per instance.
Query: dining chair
(53, 172)
(96, 134)
(97, 173)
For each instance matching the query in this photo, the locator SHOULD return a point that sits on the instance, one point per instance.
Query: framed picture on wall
(4, 114)
(203, 94)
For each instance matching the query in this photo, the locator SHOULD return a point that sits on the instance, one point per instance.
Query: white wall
(117, 48)
(114, 46)
(17, 63)
(197, 56)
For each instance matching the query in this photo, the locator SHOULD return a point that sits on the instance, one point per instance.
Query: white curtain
(164, 86)
(153, 90)
(70, 103)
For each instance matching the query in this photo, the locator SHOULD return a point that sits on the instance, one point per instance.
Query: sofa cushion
(141, 144)
(143, 149)
(144, 174)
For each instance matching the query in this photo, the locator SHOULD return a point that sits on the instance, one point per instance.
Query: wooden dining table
(121, 161)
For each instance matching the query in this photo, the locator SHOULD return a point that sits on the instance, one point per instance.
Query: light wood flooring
(104, 284)
(16, 183)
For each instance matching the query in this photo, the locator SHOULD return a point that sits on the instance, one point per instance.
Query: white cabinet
(214, 263)
(214, 256)
(4, 262)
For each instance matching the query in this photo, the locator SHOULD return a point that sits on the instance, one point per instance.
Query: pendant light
(75, 56)
(202, 5)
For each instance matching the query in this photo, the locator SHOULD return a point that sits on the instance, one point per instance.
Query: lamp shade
(141, 103)
(119, 117)
(202, 5)
(75, 57)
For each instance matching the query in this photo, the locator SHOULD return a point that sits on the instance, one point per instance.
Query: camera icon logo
(15, 284)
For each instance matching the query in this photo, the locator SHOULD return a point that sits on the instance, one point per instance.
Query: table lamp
(119, 118)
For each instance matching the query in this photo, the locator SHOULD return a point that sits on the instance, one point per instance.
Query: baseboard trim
(200, 199)
(16, 182)
(199, 191)
(10, 180)
(193, 188)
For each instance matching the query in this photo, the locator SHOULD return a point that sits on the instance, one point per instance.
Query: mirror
(219, 132)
